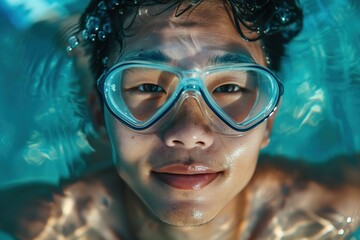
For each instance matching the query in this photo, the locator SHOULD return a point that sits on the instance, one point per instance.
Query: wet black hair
(276, 22)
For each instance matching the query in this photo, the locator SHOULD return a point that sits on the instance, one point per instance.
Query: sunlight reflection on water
(45, 119)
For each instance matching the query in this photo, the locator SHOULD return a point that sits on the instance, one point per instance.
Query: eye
(150, 88)
(228, 88)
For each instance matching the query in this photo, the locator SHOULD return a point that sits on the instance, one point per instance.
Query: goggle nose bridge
(191, 81)
(192, 87)
(195, 93)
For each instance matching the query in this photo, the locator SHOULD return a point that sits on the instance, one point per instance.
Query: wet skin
(159, 167)
(283, 198)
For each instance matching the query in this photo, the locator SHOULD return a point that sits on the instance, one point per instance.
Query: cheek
(130, 150)
(242, 155)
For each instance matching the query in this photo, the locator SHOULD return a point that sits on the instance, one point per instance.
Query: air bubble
(105, 61)
(101, 35)
(93, 37)
(107, 27)
(73, 41)
(92, 23)
(85, 34)
(102, 6)
(113, 3)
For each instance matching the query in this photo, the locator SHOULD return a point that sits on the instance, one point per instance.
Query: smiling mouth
(187, 181)
(186, 177)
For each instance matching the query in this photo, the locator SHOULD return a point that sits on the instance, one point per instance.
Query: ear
(269, 126)
(97, 114)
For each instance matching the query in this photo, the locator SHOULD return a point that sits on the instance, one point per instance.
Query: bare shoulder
(86, 208)
(307, 200)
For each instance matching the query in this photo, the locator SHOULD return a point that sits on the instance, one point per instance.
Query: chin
(186, 221)
(185, 216)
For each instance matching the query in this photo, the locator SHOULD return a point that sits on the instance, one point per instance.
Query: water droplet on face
(197, 214)
(69, 49)
(341, 232)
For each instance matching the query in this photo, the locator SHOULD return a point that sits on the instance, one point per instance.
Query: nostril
(177, 142)
(200, 144)
(195, 144)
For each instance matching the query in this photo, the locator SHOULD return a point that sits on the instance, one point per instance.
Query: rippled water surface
(43, 113)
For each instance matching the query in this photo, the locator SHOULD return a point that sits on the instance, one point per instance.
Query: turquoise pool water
(43, 113)
(44, 117)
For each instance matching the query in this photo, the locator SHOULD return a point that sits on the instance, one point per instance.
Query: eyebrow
(152, 55)
(230, 58)
(161, 57)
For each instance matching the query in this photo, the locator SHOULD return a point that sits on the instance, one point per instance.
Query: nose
(189, 128)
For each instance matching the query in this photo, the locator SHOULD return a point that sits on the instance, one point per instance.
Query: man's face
(185, 173)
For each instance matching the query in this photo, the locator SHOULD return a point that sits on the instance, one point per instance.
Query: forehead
(208, 14)
(201, 31)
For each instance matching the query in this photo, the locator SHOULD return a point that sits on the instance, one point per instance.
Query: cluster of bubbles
(97, 24)
(279, 16)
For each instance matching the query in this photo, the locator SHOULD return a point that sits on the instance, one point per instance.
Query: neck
(144, 225)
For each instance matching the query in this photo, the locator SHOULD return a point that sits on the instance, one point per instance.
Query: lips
(193, 177)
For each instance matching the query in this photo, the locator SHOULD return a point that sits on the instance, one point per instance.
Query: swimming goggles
(141, 93)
